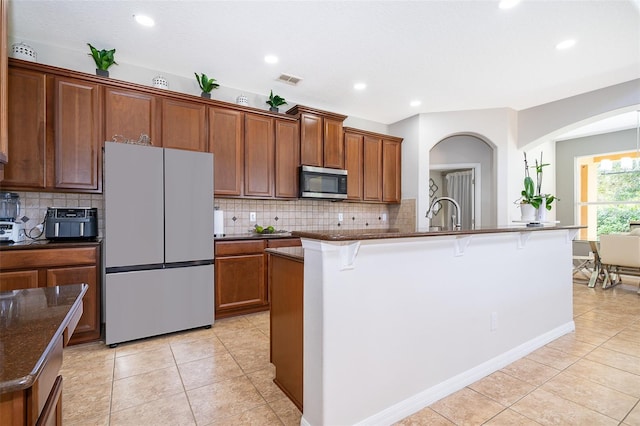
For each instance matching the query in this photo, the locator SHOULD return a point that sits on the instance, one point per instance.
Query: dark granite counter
(294, 253)
(375, 234)
(31, 321)
(253, 236)
(40, 244)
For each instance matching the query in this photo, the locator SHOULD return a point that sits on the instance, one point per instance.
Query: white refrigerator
(158, 241)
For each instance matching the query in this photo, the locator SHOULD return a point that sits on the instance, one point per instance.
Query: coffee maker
(11, 228)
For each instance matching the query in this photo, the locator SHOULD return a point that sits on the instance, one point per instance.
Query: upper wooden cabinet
(287, 159)
(27, 130)
(130, 113)
(321, 137)
(4, 89)
(184, 125)
(333, 143)
(78, 139)
(353, 164)
(373, 162)
(259, 150)
(372, 169)
(391, 171)
(226, 142)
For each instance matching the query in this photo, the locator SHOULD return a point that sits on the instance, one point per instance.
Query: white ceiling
(451, 55)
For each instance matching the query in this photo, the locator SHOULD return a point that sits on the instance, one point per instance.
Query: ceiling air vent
(289, 79)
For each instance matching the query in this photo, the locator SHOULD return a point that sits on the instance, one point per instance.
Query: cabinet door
(184, 125)
(258, 156)
(226, 142)
(287, 159)
(78, 139)
(18, 280)
(130, 114)
(240, 283)
(27, 130)
(391, 171)
(311, 140)
(372, 168)
(333, 144)
(353, 164)
(88, 327)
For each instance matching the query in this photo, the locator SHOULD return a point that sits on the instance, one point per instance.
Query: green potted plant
(206, 84)
(533, 204)
(275, 101)
(103, 59)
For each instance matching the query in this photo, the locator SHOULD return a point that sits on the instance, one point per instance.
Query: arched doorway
(458, 161)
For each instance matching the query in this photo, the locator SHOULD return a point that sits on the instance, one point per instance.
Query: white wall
(550, 120)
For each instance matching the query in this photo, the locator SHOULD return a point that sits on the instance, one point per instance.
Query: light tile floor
(222, 376)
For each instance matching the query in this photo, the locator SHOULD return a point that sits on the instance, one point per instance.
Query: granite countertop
(254, 236)
(295, 253)
(38, 244)
(375, 234)
(30, 322)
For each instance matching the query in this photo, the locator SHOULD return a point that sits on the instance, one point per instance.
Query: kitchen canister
(218, 223)
(23, 51)
(160, 82)
(242, 100)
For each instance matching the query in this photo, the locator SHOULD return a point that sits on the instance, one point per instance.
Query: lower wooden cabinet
(48, 267)
(286, 288)
(241, 275)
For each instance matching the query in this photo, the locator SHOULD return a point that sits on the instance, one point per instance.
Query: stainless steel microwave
(320, 182)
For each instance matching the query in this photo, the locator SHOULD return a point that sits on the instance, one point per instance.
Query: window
(609, 193)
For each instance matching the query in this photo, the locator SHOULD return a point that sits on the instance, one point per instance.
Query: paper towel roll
(218, 223)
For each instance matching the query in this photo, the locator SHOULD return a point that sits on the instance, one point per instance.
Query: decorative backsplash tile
(289, 215)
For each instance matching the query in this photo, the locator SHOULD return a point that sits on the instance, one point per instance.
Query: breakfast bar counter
(396, 321)
(35, 324)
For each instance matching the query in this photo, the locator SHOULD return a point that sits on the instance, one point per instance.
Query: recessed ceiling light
(144, 20)
(508, 4)
(360, 86)
(271, 59)
(565, 44)
(415, 103)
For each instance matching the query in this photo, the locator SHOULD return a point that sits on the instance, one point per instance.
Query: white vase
(541, 213)
(527, 212)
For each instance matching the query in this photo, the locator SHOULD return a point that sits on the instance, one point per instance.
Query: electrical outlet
(252, 217)
(340, 217)
(384, 217)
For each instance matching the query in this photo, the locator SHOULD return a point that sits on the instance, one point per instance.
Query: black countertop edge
(376, 234)
(294, 253)
(252, 236)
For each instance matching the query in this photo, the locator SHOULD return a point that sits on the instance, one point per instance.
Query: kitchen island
(395, 321)
(35, 324)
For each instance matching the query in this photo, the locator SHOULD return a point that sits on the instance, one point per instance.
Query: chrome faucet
(455, 219)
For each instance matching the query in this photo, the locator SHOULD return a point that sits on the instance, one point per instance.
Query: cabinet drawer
(232, 248)
(45, 258)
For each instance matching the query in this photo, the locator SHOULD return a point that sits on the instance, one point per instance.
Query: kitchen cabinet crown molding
(373, 134)
(110, 82)
(298, 109)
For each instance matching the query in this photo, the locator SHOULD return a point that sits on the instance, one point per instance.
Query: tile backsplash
(290, 215)
(34, 206)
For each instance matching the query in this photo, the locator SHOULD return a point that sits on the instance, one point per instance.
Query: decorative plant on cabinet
(103, 59)
(275, 101)
(206, 84)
